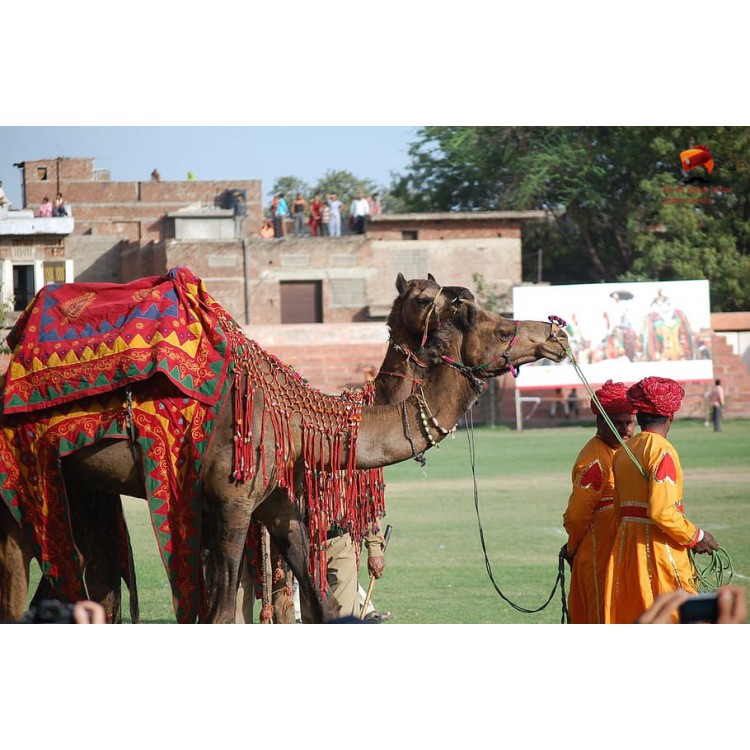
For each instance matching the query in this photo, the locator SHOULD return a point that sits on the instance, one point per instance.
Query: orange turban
(656, 396)
(614, 399)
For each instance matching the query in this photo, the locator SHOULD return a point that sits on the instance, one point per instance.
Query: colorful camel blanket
(32, 487)
(79, 350)
(78, 340)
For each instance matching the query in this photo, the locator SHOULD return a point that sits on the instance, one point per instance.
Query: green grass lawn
(435, 565)
(436, 571)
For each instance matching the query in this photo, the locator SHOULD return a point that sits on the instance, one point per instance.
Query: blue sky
(213, 152)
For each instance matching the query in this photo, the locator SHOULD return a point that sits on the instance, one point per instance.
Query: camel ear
(468, 313)
(401, 283)
(431, 278)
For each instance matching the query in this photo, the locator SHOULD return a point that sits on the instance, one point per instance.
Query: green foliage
(620, 206)
(289, 186)
(344, 184)
(488, 296)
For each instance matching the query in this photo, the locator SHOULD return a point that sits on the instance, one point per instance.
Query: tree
(608, 193)
(289, 186)
(489, 296)
(344, 184)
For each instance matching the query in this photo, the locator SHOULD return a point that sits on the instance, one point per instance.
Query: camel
(421, 305)
(474, 346)
(97, 519)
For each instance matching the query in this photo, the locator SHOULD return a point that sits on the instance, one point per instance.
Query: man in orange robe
(650, 553)
(589, 518)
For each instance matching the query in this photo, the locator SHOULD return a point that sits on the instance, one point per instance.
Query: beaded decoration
(348, 498)
(427, 418)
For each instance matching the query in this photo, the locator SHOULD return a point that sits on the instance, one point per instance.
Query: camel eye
(504, 335)
(424, 301)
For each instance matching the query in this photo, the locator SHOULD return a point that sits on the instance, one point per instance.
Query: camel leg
(289, 535)
(15, 558)
(99, 527)
(225, 531)
(94, 518)
(100, 535)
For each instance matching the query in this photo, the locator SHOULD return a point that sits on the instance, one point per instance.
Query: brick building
(32, 253)
(114, 220)
(317, 303)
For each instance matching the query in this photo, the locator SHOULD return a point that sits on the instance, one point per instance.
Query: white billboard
(624, 331)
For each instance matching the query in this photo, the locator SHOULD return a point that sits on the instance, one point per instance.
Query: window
(409, 234)
(347, 293)
(41, 173)
(23, 286)
(411, 260)
(301, 301)
(54, 272)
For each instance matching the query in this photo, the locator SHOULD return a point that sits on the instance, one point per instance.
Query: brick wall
(132, 212)
(357, 274)
(330, 357)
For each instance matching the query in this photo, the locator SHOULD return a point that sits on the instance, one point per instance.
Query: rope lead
(560, 580)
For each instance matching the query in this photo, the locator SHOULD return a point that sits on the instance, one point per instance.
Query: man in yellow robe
(650, 553)
(589, 518)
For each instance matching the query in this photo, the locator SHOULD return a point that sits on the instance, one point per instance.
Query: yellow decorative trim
(674, 565)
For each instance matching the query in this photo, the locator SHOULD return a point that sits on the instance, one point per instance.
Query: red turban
(614, 399)
(656, 396)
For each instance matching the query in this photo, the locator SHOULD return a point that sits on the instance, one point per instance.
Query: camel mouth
(556, 353)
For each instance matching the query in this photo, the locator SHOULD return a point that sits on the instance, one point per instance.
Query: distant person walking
(316, 210)
(376, 207)
(360, 212)
(717, 404)
(558, 399)
(281, 212)
(299, 206)
(334, 223)
(325, 221)
(155, 176)
(240, 211)
(573, 409)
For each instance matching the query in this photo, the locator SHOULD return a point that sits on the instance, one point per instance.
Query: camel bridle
(407, 351)
(556, 325)
(471, 372)
(432, 310)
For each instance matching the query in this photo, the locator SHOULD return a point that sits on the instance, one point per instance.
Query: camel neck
(401, 373)
(394, 433)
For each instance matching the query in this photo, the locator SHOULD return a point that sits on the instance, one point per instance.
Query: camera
(700, 608)
(49, 611)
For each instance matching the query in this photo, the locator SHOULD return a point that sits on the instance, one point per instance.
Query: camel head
(421, 305)
(484, 344)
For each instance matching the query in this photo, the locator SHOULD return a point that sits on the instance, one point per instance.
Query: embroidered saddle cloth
(79, 340)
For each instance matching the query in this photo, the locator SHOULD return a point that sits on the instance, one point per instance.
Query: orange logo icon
(700, 156)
